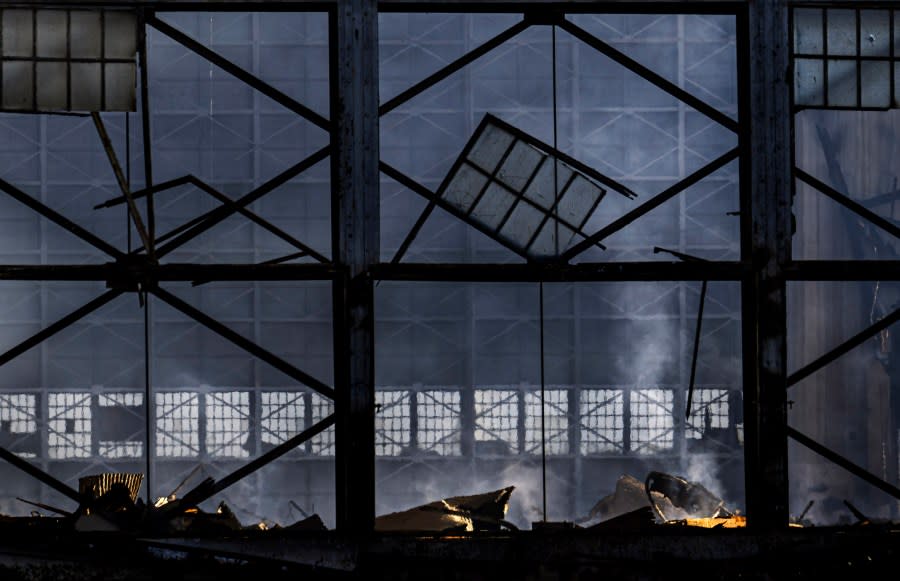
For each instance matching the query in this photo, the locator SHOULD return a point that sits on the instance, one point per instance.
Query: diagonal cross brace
(244, 343)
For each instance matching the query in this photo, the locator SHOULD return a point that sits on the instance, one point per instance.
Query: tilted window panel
(522, 191)
(323, 443)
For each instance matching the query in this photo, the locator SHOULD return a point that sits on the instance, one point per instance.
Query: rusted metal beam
(766, 141)
(353, 35)
(123, 183)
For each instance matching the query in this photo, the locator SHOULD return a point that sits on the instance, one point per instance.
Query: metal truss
(762, 267)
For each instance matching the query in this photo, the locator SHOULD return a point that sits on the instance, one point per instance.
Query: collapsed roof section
(522, 192)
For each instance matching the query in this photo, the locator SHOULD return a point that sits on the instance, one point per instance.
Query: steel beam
(244, 343)
(582, 272)
(650, 204)
(115, 273)
(843, 462)
(766, 187)
(213, 217)
(355, 242)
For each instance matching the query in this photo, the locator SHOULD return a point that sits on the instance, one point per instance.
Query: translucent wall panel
(848, 405)
(853, 154)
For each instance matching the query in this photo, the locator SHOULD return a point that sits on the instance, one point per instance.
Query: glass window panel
(51, 33)
(842, 83)
(578, 200)
(86, 86)
(876, 83)
(602, 418)
(519, 165)
(228, 424)
(392, 422)
(18, 33)
(18, 85)
(809, 82)
(281, 416)
(464, 187)
(177, 424)
(84, 34)
(842, 32)
(652, 421)
(493, 206)
(522, 224)
(119, 35)
(120, 79)
(541, 190)
(439, 422)
(555, 422)
(808, 31)
(52, 87)
(707, 405)
(875, 33)
(496, 421)
(490, 147)
(545, 243)
(69, 425)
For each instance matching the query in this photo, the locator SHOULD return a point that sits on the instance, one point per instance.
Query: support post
(766, 187)
(355, 237)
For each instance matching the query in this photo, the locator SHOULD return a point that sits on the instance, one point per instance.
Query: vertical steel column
(355, 236)
(766, 188)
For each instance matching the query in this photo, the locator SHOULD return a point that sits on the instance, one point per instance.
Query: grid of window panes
(69, 425)
(323, 443)
(392, 422)
(228, 424)
(554, 437)
(438, 413)
(132, 402)
(845, 57)
(652, 427)
(281, 416)
(602, 421)
(18, 421)
(497, 421)
(709, 407)
(177, 424)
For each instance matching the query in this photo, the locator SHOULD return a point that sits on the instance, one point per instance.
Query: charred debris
(111, 503)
